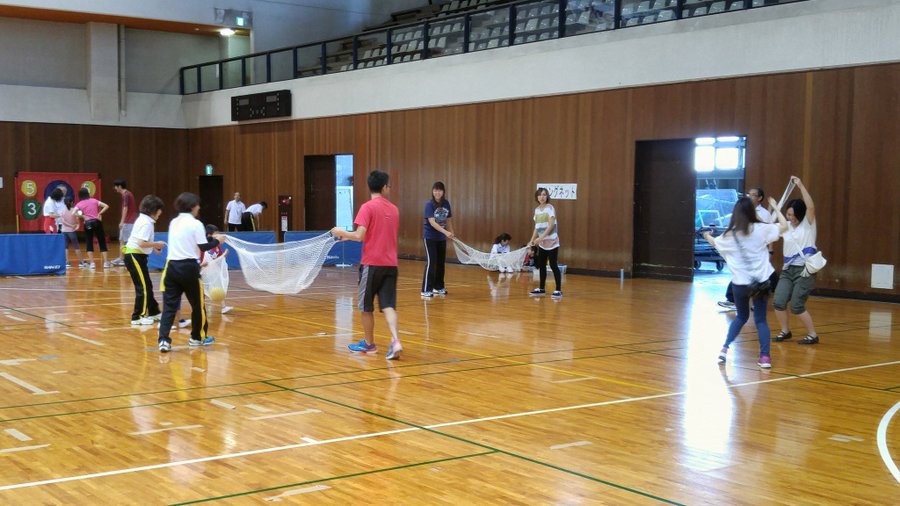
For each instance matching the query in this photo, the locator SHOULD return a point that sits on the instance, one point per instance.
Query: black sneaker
(809, 340)
(537, 291)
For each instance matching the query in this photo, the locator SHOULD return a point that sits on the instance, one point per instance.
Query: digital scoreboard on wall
(271, 104)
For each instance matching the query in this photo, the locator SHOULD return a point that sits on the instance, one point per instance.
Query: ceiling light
(226, 32)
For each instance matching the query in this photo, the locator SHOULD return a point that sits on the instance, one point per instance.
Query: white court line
(316, 488)
(406, 332)
(882, 442)
(198, 369)
(573, 380)
(154, 431)
(848, 369)
(73, 336)
(569, 445)
(16, 361)
(23, 448)
(11, 317)
(199, 460)
(279, 415)
(845, 439)
(308, 439)
(222, 404)
(260, 451)
(17, 434)
(28, 386)
(303, 337)
(261, 409)
(59, 372)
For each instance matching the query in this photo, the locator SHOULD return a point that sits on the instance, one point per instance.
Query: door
(664, 202)
(320, 194)
(211, 207)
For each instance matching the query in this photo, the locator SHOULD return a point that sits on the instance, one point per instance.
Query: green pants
(793, 287)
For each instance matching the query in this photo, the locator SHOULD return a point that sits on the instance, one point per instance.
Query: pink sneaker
(765, 362)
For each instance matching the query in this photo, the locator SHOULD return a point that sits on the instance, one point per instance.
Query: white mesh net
(215, 275)
(282, 268)
(511, 261)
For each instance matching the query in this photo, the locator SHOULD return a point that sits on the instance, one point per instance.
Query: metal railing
(480, 26)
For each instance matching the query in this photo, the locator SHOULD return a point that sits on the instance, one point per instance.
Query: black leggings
(94, 228)
(541, 265)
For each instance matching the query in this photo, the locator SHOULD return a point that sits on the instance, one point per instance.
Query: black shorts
(380, 280)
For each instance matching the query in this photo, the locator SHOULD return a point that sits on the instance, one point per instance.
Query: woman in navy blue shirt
(436, 230)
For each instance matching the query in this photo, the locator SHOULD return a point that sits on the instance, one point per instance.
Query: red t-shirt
(382, 221)
(128, 201)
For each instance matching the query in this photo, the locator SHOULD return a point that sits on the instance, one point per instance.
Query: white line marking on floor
(406, 332)
(882, 442)
(198, 369)
(200, 460)
(222, 404)
(308, 439)
(28, 386)
(166, 424)
(569, 445)
(11, 317)
(279, 415)
(154, 431)
(303, 337)
(845, 439)
(881, 435)
(256, 407)
(16, 361)
(17, 434)
(572, 380)
(23, 448)
(316, 488)
(59, 372)
(849, 369)
(73, 336)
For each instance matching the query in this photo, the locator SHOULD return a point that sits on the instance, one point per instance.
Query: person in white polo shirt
(137, 251)
(250, 218)
(233, 212)
(187, 238)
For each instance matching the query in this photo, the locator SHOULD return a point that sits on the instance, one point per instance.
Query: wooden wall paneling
(416, 172)
(468, 184)
(106, 150)
(871, 197)
(829, 119)
(255, 162)
(54, 148)
(175, 171)
(14, 148)
(614, 152)
(284, 159)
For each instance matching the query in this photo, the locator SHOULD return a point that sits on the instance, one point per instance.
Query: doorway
(211, 206)
(329, 191)
(664, 208)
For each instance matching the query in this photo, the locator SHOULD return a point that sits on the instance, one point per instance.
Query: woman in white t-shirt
(744, 245)
(547, 242)
(795, 283)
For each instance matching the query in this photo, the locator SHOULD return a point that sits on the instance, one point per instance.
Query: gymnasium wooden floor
(609, 396)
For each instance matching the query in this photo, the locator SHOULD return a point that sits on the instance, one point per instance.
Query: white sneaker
(226, 309)
(92, 265)
(143, 321)
(107, 265)
(184, 323)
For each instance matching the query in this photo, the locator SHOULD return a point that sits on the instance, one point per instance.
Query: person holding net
(377, 225)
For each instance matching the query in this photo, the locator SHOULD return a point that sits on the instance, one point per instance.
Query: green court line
(487, 447)
(119, 408)
(524, 364)
(333, 478)
(349, 371)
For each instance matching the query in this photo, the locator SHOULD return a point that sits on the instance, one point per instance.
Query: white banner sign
(561, 191)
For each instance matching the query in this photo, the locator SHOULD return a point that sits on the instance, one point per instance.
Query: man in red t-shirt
(129, 215)
(377, 224)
